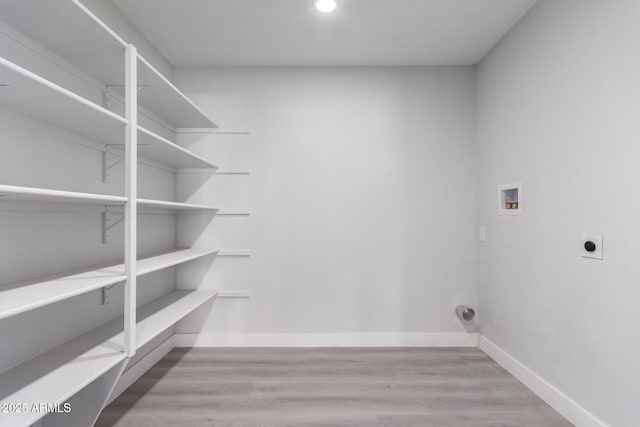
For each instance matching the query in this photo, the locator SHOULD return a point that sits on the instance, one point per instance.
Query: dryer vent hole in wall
(465, 313)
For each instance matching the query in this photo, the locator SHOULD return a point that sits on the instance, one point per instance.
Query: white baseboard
(134, 372)
(559, 401)
(383, 339)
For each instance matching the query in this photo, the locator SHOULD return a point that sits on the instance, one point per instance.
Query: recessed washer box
(510, 199)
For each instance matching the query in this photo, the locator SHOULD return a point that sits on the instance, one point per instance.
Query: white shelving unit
(161, 204)
(164, 312)
(99, 54)
(162, 98)
(56, 105)
(24, 296)
(60, 373)
(55, 376)
(57, 24)
(161, 150)
(47, 195)
(62, 108)
(169, 259)
(107, 62)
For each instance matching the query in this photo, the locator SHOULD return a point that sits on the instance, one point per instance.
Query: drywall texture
(558, 103)
(362, 198)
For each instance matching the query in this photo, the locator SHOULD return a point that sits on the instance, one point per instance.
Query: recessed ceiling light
(325, 6)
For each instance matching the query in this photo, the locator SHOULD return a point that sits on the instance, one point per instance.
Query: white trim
(559, 401)
(137, 370)
(357, 339)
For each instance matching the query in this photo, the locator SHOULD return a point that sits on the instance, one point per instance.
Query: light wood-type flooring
(392, 387)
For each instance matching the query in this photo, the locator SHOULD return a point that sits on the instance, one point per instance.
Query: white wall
(558, 103)
(362, 197)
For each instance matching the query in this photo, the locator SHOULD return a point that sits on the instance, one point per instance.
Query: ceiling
(291, 32)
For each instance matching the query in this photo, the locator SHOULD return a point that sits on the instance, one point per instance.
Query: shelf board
(24, 296)
(14, 192)
(46, 195)
(164, 312)
(55, 376)
(162, 98)
(68, 29)
(161, 150)
(100, 54)
(170, 259)
(30, 95)
(155, 317)
(162, 204)
(20, 297)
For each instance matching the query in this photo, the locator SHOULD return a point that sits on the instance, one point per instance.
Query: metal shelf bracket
(108, 222)
(109, 163)
(111, 159)
(106, 294)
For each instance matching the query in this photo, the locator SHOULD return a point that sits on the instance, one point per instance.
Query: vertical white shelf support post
(131, 182)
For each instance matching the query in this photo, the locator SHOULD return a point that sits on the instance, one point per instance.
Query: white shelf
(42, 194)
(68, 29)
(155, 317)
(67, 34)
(162, 98)
(57, 375)
(169, 259)
(161, 150)
(46, 195)
(164, 312)
(161, 204)
(21, 297)
(30, 95)
(72, 31)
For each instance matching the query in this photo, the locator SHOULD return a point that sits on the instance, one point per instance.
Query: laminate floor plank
(328, 387)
